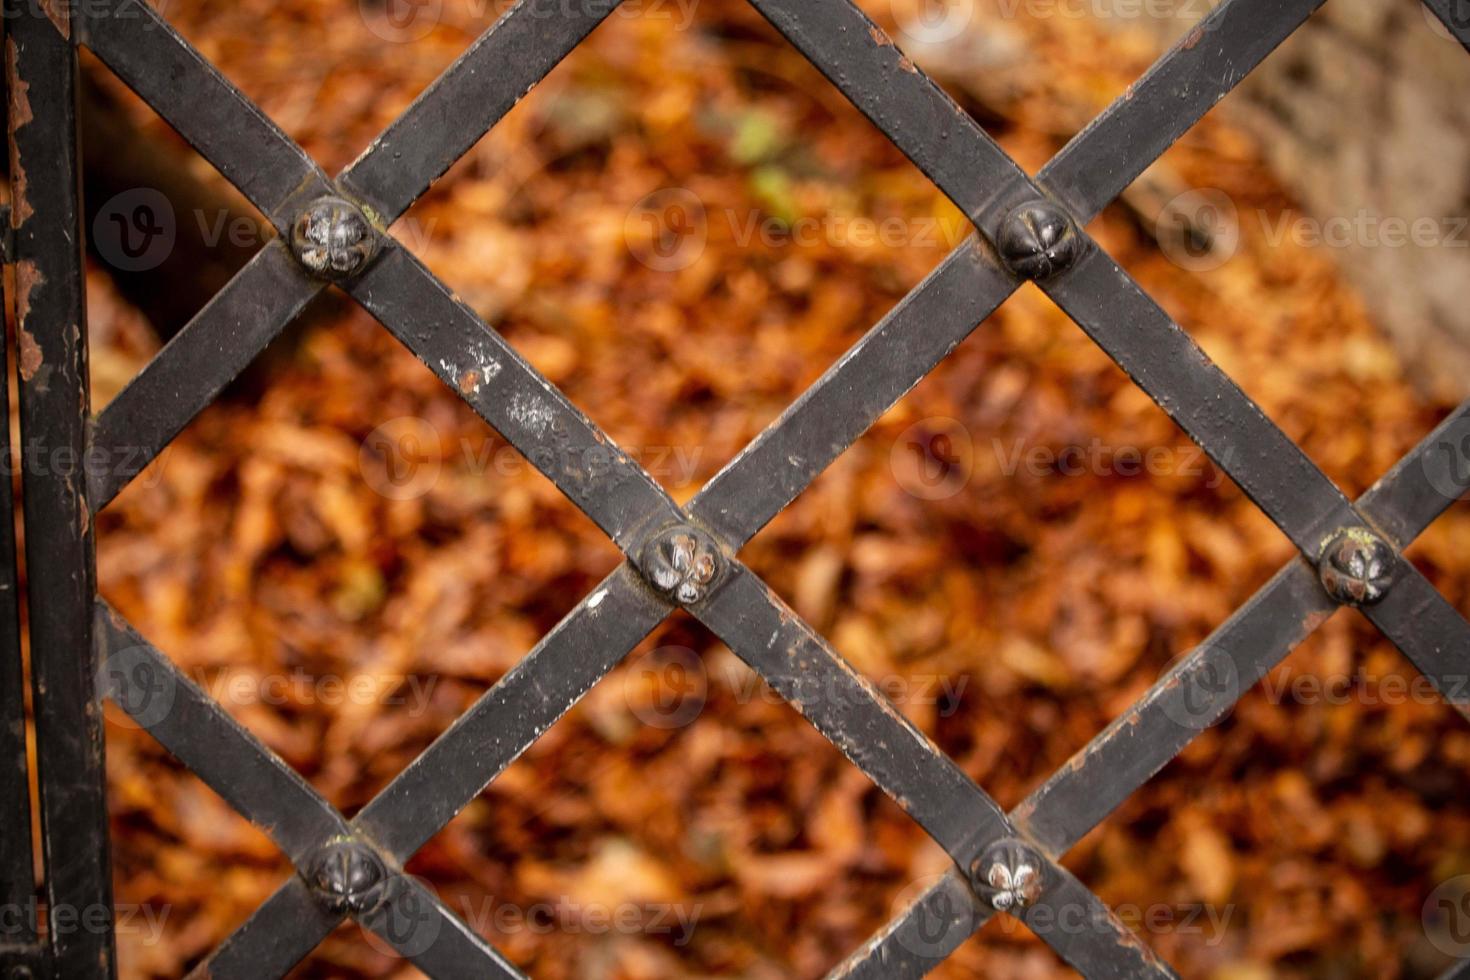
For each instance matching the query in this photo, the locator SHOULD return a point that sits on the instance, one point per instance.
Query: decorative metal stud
(348, 876)
(1357, 567)
(333, 239)
(1038, 240)
(1009, 875)
(682, 562)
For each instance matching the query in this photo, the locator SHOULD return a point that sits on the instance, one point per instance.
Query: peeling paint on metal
(531, 413)
(59, 13)
(20, 115)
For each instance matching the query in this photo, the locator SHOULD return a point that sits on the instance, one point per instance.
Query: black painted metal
(675, 556)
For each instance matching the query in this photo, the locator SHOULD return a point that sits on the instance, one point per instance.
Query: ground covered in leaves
(1013, 604)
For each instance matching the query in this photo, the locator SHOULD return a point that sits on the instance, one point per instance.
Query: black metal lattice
(335, 231)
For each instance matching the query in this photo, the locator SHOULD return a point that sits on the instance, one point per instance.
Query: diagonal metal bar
(1455, 16)
(204, 107)
(863, 63)
(1273, 471)
(532, 414)
(468, 99)
(1193, 695)
(587, 644)
(1189, 698)
(1166, 363)
(968, 286)
(184, 719)
(1087, 934)
(853, 394)
(850, 711)
(847, 708)
(737, 527)
(946, 144)
(592, 639)
(923, 934)
(269, 943)
(904, 103)
(1430, 632)
(1459, 971)
(483, 84)
(257, 784)
(1118, 315)
(194, 367)
(1204, 66)
(423, 930)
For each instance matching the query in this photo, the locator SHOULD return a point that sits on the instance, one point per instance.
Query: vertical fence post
(17, 871)
(51, 332)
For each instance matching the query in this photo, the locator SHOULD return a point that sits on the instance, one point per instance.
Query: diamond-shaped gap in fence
(680, 816)
(165, 231)
(1433, 552)
(349, 563)
(728, 193)
(1230, 256)
(355, 951)
(185, 873)
(325, 84)
(1081, 540)
(1274, 817)
(1004, 947)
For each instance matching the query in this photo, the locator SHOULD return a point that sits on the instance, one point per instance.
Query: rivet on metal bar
(1038, 240)
(333, 239)
(348, 876)
(682, 563)
(1009, 875)
(1357, 567)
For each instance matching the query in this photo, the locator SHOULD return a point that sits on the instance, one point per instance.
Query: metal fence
(333, 231)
